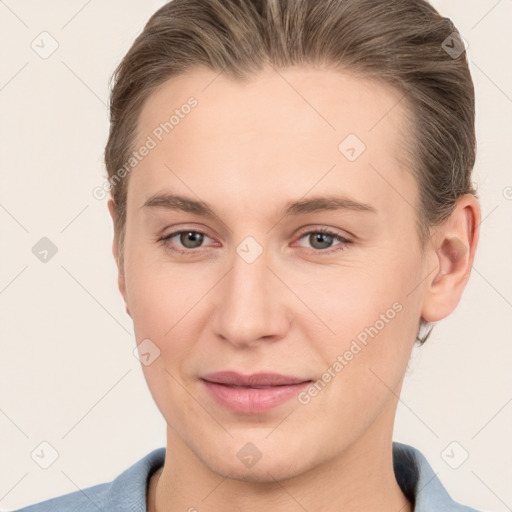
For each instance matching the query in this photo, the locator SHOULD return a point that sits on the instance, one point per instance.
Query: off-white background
(67, 372)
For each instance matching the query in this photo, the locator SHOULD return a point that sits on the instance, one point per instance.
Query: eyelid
(172, 234)
(326, 231)
(305, 231)
(343, 241)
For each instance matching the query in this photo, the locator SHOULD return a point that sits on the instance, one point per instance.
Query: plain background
(68, 375)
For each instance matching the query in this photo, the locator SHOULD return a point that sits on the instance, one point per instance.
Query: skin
(247, 149)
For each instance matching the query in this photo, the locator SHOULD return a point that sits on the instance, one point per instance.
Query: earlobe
(454, 252)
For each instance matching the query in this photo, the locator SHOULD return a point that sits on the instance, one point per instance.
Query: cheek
(161, 306)
(349, 300)
(372, 319)
(364, 367)
(155, 294)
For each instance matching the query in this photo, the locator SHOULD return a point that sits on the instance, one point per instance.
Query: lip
(252, 394)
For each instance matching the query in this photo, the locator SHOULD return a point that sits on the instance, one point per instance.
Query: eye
(190, 238)
(321, 240)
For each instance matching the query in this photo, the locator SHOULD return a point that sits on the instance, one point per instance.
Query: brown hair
(399, 42)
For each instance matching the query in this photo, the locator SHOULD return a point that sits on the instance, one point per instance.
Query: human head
(399, 43)
(248, 144)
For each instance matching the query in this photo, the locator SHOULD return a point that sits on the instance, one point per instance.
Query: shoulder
(420, 483)
(126, 492)
(90, 499)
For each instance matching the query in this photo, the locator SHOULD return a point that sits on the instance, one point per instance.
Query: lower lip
(252, 400)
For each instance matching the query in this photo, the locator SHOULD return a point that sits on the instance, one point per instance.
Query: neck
(359, 479)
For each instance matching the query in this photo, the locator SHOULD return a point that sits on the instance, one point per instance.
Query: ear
(453, 252)
(115, 251)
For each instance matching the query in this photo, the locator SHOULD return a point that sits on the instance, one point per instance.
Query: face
(247, 282)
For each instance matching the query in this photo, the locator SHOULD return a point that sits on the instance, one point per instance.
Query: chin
(257, 462)
(262, 472)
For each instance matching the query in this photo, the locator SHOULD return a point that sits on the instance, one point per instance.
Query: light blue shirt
(127, 492)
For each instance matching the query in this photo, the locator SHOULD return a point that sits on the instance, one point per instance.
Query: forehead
(304, 98)
(282, 130)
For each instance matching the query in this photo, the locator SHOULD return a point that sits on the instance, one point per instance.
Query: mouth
(252, 394)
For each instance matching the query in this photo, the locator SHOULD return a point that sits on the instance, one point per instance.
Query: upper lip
(256, 379)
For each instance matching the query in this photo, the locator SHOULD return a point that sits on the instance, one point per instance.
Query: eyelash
(324, 231)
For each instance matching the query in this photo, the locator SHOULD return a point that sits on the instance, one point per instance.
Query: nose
(251, 303)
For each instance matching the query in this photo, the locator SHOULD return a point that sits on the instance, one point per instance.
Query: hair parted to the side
(398, 42)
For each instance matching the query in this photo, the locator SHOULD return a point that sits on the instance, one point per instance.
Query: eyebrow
(316, 204)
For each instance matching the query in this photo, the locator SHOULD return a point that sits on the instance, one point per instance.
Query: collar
(413, 473)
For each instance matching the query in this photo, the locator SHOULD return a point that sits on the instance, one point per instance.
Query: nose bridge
(249, 307)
